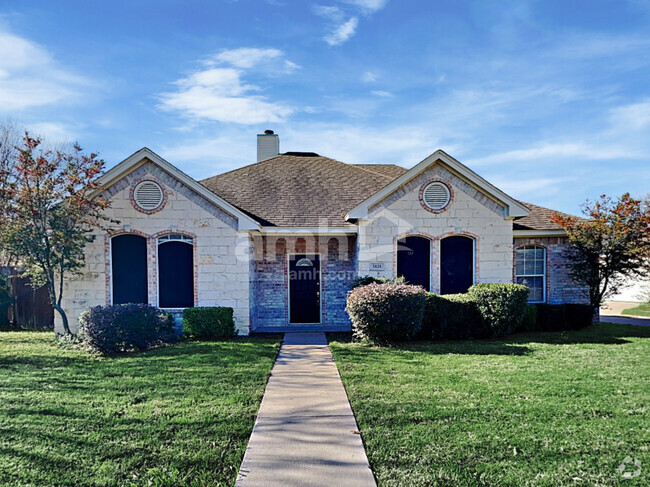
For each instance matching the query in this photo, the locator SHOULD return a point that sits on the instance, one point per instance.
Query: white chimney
(268, 145)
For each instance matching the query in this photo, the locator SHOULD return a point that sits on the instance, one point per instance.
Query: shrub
(5, 300)
(111, 329)
(578, 316)
(529, 323)
(502, 306)
(559, 317)
(215, 323)
(386, 313)
(451, 317)
(365, 280)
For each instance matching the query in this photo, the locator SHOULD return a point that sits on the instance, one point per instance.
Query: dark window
(175, 271)
(456, 264)
(129, 266)
(414, 260)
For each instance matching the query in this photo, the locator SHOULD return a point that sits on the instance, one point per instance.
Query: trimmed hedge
(215, 323)
(121, 328)
(451, 317)
(365, 280)
(502, 306)
(560, 317)
(386, 313)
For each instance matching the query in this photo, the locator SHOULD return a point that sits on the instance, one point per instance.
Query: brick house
(281, 240)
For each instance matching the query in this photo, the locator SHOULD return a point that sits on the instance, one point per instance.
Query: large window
(456, 264)
(129, 269)
(175, 271)
(530, 270)
(414, 260)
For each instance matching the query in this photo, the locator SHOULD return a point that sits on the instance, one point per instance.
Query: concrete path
(626, 320)
(305, 433)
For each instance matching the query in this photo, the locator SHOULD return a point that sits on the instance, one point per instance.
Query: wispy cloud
(635, 116)
(219, 92)
(382, 93)
(369, 77)
(343, 22)
(31, 77)
(342, 33)
(369, 6)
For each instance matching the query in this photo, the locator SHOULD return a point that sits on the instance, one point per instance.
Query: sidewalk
(305, 433)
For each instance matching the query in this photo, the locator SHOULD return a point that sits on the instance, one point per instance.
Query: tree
(9, 139)
(49, 213)
(611, 244)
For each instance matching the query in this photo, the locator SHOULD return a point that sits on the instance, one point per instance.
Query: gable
(464, 178)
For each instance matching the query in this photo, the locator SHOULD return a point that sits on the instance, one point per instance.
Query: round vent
(436, 195)
(148, 195)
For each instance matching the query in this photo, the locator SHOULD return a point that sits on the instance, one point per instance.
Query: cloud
(30, 77)
(382, 93)
(635, 116)
(342, 33)
(369, 6)
(369, 77)
(219, 93)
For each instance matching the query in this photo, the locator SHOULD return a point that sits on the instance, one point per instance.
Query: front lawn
(641, 310)
(179, 415)
(538, 409)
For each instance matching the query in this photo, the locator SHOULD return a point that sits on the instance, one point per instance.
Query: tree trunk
(64, 319)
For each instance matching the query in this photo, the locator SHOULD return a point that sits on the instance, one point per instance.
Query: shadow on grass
(515, 344)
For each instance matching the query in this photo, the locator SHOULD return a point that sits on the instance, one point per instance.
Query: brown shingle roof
(302, 190)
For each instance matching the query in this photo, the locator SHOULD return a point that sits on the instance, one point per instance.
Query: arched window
(530, 270)
(333, 249)
(414, 260)
(175, 271)
(129, 269)
(456, 264)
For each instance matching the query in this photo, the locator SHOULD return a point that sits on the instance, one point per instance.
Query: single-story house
(281, 240)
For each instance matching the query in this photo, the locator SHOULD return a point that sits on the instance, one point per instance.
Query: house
(281, 240)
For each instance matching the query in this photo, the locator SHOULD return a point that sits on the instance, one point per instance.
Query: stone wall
(470, 213)
(269, 282)
(560, 288)
(221, 253)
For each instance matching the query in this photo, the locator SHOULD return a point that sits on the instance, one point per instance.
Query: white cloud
(30, 77)
(342, 32)
(246, 57)
(635, 116)
(52, 131)
(369, 77)
(369, 6)
(382, 93)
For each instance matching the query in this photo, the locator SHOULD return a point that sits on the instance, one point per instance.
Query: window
(175, 271)
(530, 270)
(457, 264)
(129, 269)
(436, 196)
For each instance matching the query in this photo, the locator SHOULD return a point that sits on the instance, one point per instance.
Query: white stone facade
(470, 213)
(221, 253)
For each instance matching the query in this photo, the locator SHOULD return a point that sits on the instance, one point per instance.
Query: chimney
(268, 145)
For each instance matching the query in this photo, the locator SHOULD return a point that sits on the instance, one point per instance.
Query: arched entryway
(129, 269)
(414, 260)
(456, 264)
(175, 271)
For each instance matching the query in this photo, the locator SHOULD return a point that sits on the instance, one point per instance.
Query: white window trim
(320, 289)
(543, 275)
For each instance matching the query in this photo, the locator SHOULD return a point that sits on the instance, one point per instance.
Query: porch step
(301, 328)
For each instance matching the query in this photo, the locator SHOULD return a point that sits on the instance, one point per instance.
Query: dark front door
(414, 260)
(304, 288)
(175, 275)
(457, 264)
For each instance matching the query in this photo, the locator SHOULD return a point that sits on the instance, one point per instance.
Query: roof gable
(145, 155)
(513, 207)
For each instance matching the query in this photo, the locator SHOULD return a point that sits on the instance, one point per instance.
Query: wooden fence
(31, 307)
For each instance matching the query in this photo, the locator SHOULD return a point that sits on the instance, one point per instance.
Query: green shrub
(386, 313)
(529, 323)
(5, 300)
(451, 317)
(214, 323)
(502, 306)
(365, 280)
(578, 316)
(121, 328)
(560, 317)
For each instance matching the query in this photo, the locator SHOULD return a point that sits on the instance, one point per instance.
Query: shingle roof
(303, 189)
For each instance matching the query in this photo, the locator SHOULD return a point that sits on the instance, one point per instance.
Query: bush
(386, 313)
(502, 306)
(365, 280)
(5, 300)
(560, 317)
(111, 329)
(215, 323)
(529, 323)
(451, 317)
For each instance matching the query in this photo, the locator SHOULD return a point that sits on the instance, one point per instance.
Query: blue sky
(549, 100)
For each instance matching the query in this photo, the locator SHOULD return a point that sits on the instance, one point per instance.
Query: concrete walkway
(305, 433)
(626, 320)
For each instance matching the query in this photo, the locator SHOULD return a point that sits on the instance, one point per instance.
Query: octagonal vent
(436, 195)
(148, 195)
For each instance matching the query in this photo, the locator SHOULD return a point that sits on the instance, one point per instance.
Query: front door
(304, 288)
(414, 260)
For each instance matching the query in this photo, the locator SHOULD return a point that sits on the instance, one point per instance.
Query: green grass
(179, 415)
(641, 310)
(536, 409)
